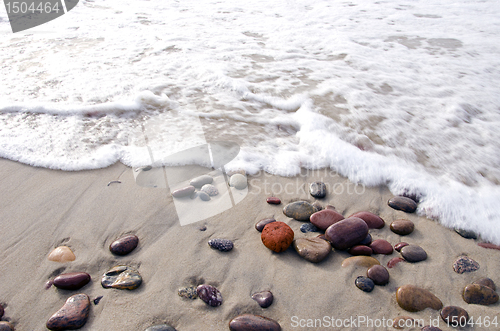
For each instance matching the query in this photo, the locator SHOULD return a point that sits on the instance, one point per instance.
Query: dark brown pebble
(360, 250)
(124, 245)
(395, 260)
(465, 264)
(183, 192)
(264, 298)
(413, 253)
(400, 245)
(324, 218)
(381, 246)
(72, 280)
(73, 314)
(373, 221)
(479, 295)
(413, 298)
(209, 294)
(486, 282)
(249, 322)
(378, 274)
(402, 227)
(454, 316)
(403, 203)
(273, 201)
(347, 233)
(1, 311)
(259, 226)
(6, 326)
(97, 300)
(489, 246)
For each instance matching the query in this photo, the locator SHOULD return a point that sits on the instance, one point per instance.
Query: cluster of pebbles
(202, 187)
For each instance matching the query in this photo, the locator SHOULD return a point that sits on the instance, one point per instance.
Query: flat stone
(403, 203)
(277, 236)
(347, 233)
(465, 264)
(264, 298)
(248, 322)
(210, 190)
(273, 201)
(183, 192)
(161, 327)
(373, 221)
(413, 253)
(413, 299)
(121, 277)
(299, 210)
(466, 234)
(378, 274)
(308, 227)
(365, 284)
(479, 295)
(238, 181)
(360, 261)
(72, 280)
(402, 227)
(392, 262)
(312, 249)
(489, 246)
(454, 316)
(317, 190)
(209, 294)
(72, 315)
(259, 226)
(61, 254)
(124, 245)
(360, 250)
(188, 292)
(324, 218)
(223, 245)
(381, 246)
(367, 241)
(400, 245)
(486, 282)
(198, 182)
(204, 196)
(6, 326)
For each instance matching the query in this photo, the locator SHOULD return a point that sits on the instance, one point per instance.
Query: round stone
(210, 190)
(72, 315)
(259, 226)
(403, 203)
(183, 192)
(360, 250)
(188, 292)
(346, 233)
(413, 299)
(465, 264)
(378, 274)
(198, 182)
(204, 196)
(324, 218)
(124, 245)
(273, 201)
(486, 282)
(223, 245)
(238, 181)
(454, 316)
(299, 210)
(308, 227)
(400, 245)
(121, 277)
(466, 234)
(395, 260)
(72, 280)
(277, 236)
(318, 190)
(6, 326)
(402, 227)
(381, 246)
(248, 322)
(161, 327)
(373, 221)
(364, 284)
(61, 254)
(479, 295)
(264, 298)
(360, 261)
(413, 253)
(367, 241)
(209, 294)
(312, 249)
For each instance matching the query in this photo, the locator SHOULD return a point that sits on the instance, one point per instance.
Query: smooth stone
(400, 245)
(364, 284)
(317, 206)
(402, 227)
(486, 282)
(121, 277)
(259, 226)
(183, 192)
(308, 227)
(264, 298)
(312, 249)
(72, 280)
(238, 181)
(373, 221)
(381, 246)
(392, 262)
(124, 245)
(466, 234)
(360, 261)
(73, 314)
(330, 207)
(188, 292)
(277, 236)
(413, 253)
(161, 327)
(209, 294)
(413, 299)
(489, 246)
(198, 182)
(248, 322)
(210, 190)
(204, 196)
(465, 264)
(347, 233)
(317, 190)
(367, 241)
(273, 201)
(479, 295)
(401, 322)
(6, 326)
(403, 203)
(299, 210)
(324, 218)
(61, 254)
(430, 328)
(378, 274)
(454, 316)
(223, 245)
(360, 250)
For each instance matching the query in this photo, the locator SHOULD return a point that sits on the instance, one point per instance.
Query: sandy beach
(42, 209)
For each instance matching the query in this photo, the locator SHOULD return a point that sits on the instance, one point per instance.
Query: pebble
(183, 192)
(198, 182)
(395, 260)
(324, 218)
(401, 322)
(381, 246)
(317, 206)
(360, 250)
(248, 322)
(488, 245)
(466, 234)
(402, 227)
(210, 190)
(479, 295)
(413, 253)
(400, 245)
(209, 294)
(347, 233)
(223, 245)
(465, 264)
(367, 241)
(97, 300)
(430, 328)
(61, 254)
(360, 261)
(330, 207)
(72, 280)
(188, 292)
(277, 236)
(308, 227)
(124, 245)
(121, 277)
(373, 221)
(259, 226)
(72, 315)
(378, 274)
(264, 298)
(1, 311)
(6, 326)
(299, 210)
(403, 203)
(486, 282)
(454, 316)
(364, 284)
(413, 299)
(204, 196)
(273, 201)
(312, 249)
(161, 327)
(317, 190)
(238, 181)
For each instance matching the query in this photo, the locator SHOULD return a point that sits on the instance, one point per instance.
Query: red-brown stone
(381, 246)
(346, 233)
(360, 250)
(277, 236)
(373, 221)
(324, 218)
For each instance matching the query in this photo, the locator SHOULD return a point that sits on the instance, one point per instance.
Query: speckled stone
(324, 218)
(466, 234)
(248, 322)
(486, 282)
(360, 250)
(121, 277)
(264, 298)
(238, 181)
(378, 274)
(312, 249)
(198, 182)
(402, 227)
(210, 190)
(479, 295)
(188, 292)
(365, 284)
(373, 221)
(413, 298)
(183, 192)
(161, 327)
(381, 246)
(209, 294)
(73, 314)
(61, 254)
(259, 226)
(403, 203)
(454, 316)
(6, 326)
(72, 280)
(360, 261)
(317, 190)
(124, 245)
(392, 262)
(277, 236)
(308, 227)
(299, 210)
(465, 264)
(223, 245)
(346, 233)
(273, 201)
(413, 253)
(400, 245)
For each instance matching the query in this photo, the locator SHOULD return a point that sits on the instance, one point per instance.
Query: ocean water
(403, 93)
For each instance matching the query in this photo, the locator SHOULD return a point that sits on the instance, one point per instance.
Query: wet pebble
(188, 292)
(264, 298)
(72, 280)
(209, 294)
(454, 316)
(61, 254)
(360, 250)
(466, 234)
(183, 192)
(317, 206)
(381, 246)
(489, 246)
(312, 249)
(210, 190)
(277, 236)
(360, 261)
(465, 264)
(204, 196)
(317, 190)
(486, 282)
(121, 277)
(392, 262)
(373, 221)
(413, 253)
(198, 182)
(364, 284)
(378, 274)
(160, 327)
(367, 241)
(259, 226)
(299, 210)
(400, 245)
(479, 295)
(346, 233)
(238, 181)
(308, 227)
(223, 245)
(273, 201)
(403, 203)
(1, 311)
(72, 315)
(6, 326)
(402, 227)
(413, 299)
(248, 322)
(124, 245)
(324, 218)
